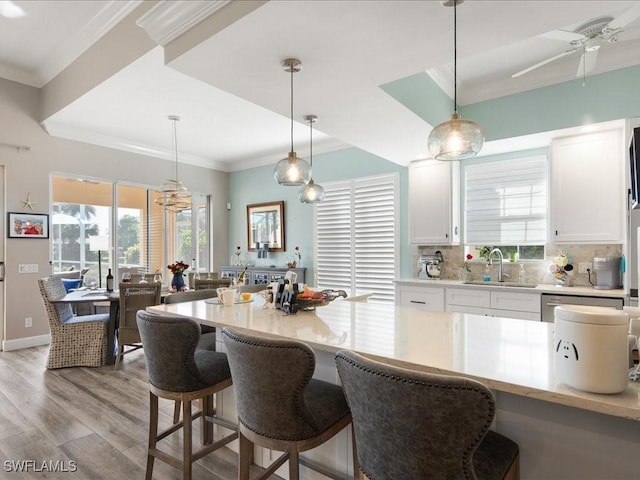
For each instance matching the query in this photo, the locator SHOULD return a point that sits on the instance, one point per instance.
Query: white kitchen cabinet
(434, 203)
(494, 302)
(587, 188)
(426, 298)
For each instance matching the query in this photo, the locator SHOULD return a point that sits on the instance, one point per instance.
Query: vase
(177, 282)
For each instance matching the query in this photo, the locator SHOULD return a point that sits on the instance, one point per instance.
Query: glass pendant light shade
(455, 139)
(311, 193)
(292, 171)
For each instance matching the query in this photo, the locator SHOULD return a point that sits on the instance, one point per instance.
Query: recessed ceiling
(233, 97)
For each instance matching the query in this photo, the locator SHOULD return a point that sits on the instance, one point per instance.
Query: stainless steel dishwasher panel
(551, 300)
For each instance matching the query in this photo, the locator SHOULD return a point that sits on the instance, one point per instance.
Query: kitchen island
(563, 433)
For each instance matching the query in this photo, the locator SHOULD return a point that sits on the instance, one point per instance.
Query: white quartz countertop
(540, 288)
(508, 355)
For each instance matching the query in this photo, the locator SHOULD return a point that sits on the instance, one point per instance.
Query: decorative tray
(327, 297)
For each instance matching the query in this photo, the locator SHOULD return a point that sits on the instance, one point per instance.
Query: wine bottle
(242, 276)
(109, 281)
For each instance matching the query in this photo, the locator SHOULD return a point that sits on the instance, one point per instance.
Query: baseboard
(17, 344)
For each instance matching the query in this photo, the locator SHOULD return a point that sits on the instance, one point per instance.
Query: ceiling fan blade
(563, 35)
(587, 62)
(625, 18)
(544, 62)
(629, 34)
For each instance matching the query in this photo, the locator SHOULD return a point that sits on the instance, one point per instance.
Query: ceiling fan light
(311, 193)
(455, 139)
(292, 171)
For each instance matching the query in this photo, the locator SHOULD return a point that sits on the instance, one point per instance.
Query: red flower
(469, 256)
(178, 267)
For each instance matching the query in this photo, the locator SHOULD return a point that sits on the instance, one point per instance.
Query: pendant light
(311, 192)
(292, 171)
(175, 196)
(455, 139)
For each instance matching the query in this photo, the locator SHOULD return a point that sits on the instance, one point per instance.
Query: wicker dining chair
(133, 297)
(210, 283)
(76, 341)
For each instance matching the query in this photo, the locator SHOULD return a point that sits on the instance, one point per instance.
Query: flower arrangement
(466, 262)
(562, 265)
(178, 268)
(297, 253)
(238, 252)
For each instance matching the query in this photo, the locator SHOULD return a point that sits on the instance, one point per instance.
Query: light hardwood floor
(95, 417)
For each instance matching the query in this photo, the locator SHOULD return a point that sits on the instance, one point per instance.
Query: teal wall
(608, 96)
(257, 185)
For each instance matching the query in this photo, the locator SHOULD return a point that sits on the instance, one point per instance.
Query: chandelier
(175, 196)
(455, 139)
(292, 171)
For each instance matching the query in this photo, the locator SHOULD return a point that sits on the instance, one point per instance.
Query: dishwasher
(551, 300)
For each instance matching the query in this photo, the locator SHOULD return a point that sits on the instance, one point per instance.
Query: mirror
(265, 224)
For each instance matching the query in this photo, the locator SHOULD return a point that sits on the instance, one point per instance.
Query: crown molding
(79, 41)
(170, 19)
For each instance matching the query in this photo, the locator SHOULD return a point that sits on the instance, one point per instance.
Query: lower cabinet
(496, 302)
(427, 298)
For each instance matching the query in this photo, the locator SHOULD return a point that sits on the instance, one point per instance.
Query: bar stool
(426, 425)
(279, 405)
(179, 372)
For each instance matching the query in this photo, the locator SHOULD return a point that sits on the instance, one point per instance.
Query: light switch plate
(28, 268)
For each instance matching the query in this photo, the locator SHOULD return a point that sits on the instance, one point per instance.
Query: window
(356, 237)
(506, 205)
(147, 238)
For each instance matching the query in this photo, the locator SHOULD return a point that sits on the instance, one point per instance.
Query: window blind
(506, 202)
(356, 237)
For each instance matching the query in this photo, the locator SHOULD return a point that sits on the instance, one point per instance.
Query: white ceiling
(233, 96)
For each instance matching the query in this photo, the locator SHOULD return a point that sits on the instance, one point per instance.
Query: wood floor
(95, 419)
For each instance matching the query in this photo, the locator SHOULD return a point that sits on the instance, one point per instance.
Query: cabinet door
(522, 302)
(535, 316)
(468, 297)
(587, 188)
(426, 298)
(434, 203)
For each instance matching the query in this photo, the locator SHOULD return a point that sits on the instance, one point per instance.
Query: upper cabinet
(434, 203)
(587, 188)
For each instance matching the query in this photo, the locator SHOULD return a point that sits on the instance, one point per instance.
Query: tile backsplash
(537, 271)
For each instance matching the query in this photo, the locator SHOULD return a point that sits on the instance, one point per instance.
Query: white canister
(590, 348)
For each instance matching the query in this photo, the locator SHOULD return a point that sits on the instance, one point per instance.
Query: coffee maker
(608, 272)
(430, 266)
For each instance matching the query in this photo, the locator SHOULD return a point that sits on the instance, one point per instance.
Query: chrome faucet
(501, 258)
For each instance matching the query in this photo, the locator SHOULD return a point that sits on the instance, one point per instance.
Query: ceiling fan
(588, 38)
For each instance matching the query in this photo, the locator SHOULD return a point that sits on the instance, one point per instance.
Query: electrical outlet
(28, 322)
(583, 267)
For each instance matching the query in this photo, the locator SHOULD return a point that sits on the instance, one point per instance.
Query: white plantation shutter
(506, 202)
(356, 237)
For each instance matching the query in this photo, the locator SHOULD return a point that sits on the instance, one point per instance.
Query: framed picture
(265, 225)
(28, 225)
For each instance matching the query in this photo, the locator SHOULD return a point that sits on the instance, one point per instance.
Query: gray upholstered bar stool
(279, 405)
(411, 424)
(179, 371)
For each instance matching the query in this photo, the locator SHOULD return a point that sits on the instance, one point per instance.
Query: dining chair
(280, 406)
(426, 425)
(180, 372)
(133, 297)
(210, 283)
(76, 341)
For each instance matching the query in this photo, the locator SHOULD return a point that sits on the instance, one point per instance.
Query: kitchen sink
(502, 284)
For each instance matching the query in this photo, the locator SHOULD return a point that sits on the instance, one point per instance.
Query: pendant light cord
(311, 142)
(291, 67)
(455, 57)
(175, 147)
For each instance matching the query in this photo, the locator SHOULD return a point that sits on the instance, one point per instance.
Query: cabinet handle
(455, 230)
(416, 301)
(556, 232)
(446, 235)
